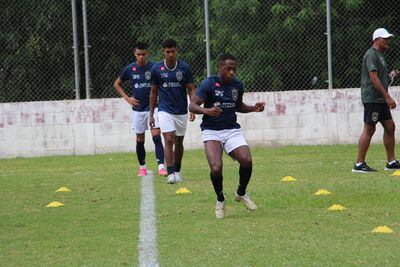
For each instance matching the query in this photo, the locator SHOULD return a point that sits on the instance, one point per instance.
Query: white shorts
(230, 139)
(141, 119)
(170, 122)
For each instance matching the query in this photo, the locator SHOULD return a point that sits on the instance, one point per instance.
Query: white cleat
(178, 177)
(245, 199)
(220, 209)
(171, 179)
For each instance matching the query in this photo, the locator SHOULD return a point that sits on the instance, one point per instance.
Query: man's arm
(244, 108)
(153, 101)
(192, 89)
(131, 100)
(376, 83)
(196, 108)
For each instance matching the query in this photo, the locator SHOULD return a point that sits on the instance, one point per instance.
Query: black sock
(177, 167)
(159, 149)
(141, 153)
(170, 169)
(244, 178)
(217, 184)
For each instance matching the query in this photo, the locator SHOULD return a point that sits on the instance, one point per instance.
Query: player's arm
(192, 89)
(244, 108)
(376, 83)
(196, 108)
(153, 102)
(118, 86)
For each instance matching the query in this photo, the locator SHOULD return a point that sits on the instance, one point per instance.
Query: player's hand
(191, 116)
(132, 101)
(151, 122)
(391, 103)
(214, 111)
(259, 107)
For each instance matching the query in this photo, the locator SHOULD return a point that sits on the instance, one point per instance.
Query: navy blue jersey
(140, 83)
(172, 93)
(226, 97)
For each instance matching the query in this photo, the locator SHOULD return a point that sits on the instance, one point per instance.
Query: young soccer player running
(139, 75)
(222, 96)
(170, 80)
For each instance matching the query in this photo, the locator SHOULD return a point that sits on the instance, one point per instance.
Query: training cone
(183, 190)
(322, 192)
(288, 179)
(382, 230)
(54, 204)
(63, 189)
(337, 207)
(396, 173)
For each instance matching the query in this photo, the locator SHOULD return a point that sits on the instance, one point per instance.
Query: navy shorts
(376, 112)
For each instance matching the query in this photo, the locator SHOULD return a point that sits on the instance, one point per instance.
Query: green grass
(99, 225)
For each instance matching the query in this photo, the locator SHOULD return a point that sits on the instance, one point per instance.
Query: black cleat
(363, 168)
(394, 166)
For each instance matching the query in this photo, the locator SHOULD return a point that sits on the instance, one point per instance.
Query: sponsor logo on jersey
(142, 85)
(179, 75)
(217, 84)
(165, 85)
(235, 94)
(162, 68)
(219, 93)
(133, 68)
(164, 75)
(147, 75)
(136, 76)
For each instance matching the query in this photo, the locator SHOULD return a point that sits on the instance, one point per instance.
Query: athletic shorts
(141, 121)
(376, 112)
(230, 139)
(172, 123)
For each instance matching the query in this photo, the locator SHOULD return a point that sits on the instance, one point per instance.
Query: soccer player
(139, 75)
(170, 80)
(377, 102)
(222, 96)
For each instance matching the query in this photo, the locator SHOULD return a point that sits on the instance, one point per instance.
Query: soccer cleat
(162, 172)
(171, 179)
(245, 199)
(178, 177)
(142, 172)
(220, 209)
(394, 166)
(363, 168)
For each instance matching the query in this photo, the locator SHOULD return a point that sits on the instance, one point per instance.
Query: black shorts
(374, 112)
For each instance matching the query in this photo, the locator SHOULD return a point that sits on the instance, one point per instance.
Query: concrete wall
(77, 127)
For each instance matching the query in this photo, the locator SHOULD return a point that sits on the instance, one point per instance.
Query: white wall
(77, 127)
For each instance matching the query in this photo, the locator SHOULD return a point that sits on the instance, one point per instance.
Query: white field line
(148, 255)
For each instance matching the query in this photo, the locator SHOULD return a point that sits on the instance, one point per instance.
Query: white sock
(358, 164)
(393, 161)
(161, 166)
(143, 166)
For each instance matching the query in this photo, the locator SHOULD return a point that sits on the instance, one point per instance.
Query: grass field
(99, 224)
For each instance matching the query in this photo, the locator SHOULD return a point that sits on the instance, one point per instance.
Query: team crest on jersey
(218, 93)
(147, 75)
(235, 94)
(179, 76)
(374, 116)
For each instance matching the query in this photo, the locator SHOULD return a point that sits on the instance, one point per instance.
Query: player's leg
(389, 142)
(159, 149)
(167, 127)
(180, 124)
(139, 126)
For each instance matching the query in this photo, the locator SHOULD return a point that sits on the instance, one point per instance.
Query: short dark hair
(225, 56)
(141, 46)
(169, 43)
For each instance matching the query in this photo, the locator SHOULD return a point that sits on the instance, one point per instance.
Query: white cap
(381, 33)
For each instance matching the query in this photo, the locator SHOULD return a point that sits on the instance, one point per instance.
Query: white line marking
(148, 255)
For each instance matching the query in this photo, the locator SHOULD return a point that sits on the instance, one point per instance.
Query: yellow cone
(382, 229)
(288, 179)
(396, 173)
(63, 189)
(337, 207)
(322, 192)
(183, 190)
(54, 204)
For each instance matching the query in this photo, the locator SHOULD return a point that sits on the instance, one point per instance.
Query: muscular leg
(365, 140)
(178, 152)
(140, 150)
(168, 150)
(243, 156)
(213, 152)
(159, 150)
(389, 139)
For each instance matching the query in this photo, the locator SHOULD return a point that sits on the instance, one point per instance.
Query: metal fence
(280, 45)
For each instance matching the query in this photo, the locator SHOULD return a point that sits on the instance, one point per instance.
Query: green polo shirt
(373, 60)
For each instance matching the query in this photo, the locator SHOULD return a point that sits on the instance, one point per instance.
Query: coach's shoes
(220, 209)
(162, 172)
(394, 166)
(178, 177)
(363, 168)
(142, 172)
(171, 179)
(245, 199)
